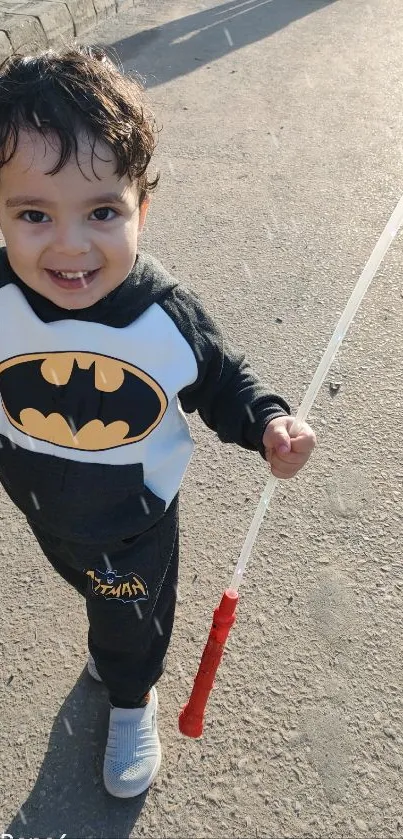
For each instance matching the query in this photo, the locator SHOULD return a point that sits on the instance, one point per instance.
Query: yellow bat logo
(128, 588)
(80, 400)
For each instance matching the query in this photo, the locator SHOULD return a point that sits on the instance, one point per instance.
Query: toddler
(101, 354)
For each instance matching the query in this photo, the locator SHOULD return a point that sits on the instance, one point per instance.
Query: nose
(71, 240)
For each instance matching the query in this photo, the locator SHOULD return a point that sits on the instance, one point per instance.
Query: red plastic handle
(191, 717)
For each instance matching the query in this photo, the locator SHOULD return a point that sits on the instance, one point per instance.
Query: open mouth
(72, 279)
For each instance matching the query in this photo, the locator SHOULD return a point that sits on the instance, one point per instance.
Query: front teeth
(69, 275)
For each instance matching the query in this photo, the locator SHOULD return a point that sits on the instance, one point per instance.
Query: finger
(279, 440)
(304, 443)
(287, 467)
(292, 458)
(284, 473)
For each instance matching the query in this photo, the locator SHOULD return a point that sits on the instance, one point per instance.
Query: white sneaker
(133, 750)
(91, 667)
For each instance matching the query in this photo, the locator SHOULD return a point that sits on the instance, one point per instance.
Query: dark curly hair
(66, 92)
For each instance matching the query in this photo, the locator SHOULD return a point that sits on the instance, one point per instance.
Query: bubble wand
(191, 717)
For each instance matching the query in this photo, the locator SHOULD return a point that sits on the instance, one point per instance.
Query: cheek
(24, 235)
(122, 244)
(20, 242)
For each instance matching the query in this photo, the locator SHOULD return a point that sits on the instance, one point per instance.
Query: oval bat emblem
(80, 400)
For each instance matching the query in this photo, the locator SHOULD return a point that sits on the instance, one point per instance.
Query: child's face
(69, 222)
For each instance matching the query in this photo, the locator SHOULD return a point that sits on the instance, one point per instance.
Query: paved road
(281, 157)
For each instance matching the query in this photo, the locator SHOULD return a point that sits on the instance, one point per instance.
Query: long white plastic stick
(362, 285)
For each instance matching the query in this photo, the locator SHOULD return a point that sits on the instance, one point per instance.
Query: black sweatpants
(130, 590)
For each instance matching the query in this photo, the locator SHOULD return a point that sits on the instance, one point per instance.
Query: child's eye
(34, 216)
(101, 213)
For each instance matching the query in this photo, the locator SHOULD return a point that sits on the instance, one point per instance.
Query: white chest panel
(153, 344)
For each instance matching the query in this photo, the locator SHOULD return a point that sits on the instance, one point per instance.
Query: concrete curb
(32, 25)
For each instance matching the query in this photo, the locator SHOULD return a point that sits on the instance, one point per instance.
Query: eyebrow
(23, 200)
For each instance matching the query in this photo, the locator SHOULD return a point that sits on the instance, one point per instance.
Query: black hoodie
(94, 443)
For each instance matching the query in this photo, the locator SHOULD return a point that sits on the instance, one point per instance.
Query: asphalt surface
(281, 157)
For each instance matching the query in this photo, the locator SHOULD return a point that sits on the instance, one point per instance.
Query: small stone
(389, 732)
(361, 825)
(334, 388)
(213, 797)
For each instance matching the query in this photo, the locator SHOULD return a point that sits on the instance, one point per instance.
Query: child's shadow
(69, 796)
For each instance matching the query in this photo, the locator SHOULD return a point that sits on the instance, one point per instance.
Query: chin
(70, 301)
(77, 303)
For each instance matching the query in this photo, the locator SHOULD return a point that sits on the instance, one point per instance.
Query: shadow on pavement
(173, 49)
(69, 796)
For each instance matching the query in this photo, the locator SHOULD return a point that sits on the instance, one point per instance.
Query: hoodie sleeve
(227, 394)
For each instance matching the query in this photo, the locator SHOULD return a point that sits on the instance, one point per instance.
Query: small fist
(287, 454)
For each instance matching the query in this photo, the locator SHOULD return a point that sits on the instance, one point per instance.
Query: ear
(143, 213)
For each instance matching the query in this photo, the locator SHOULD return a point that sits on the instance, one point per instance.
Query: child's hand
(286, 455)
